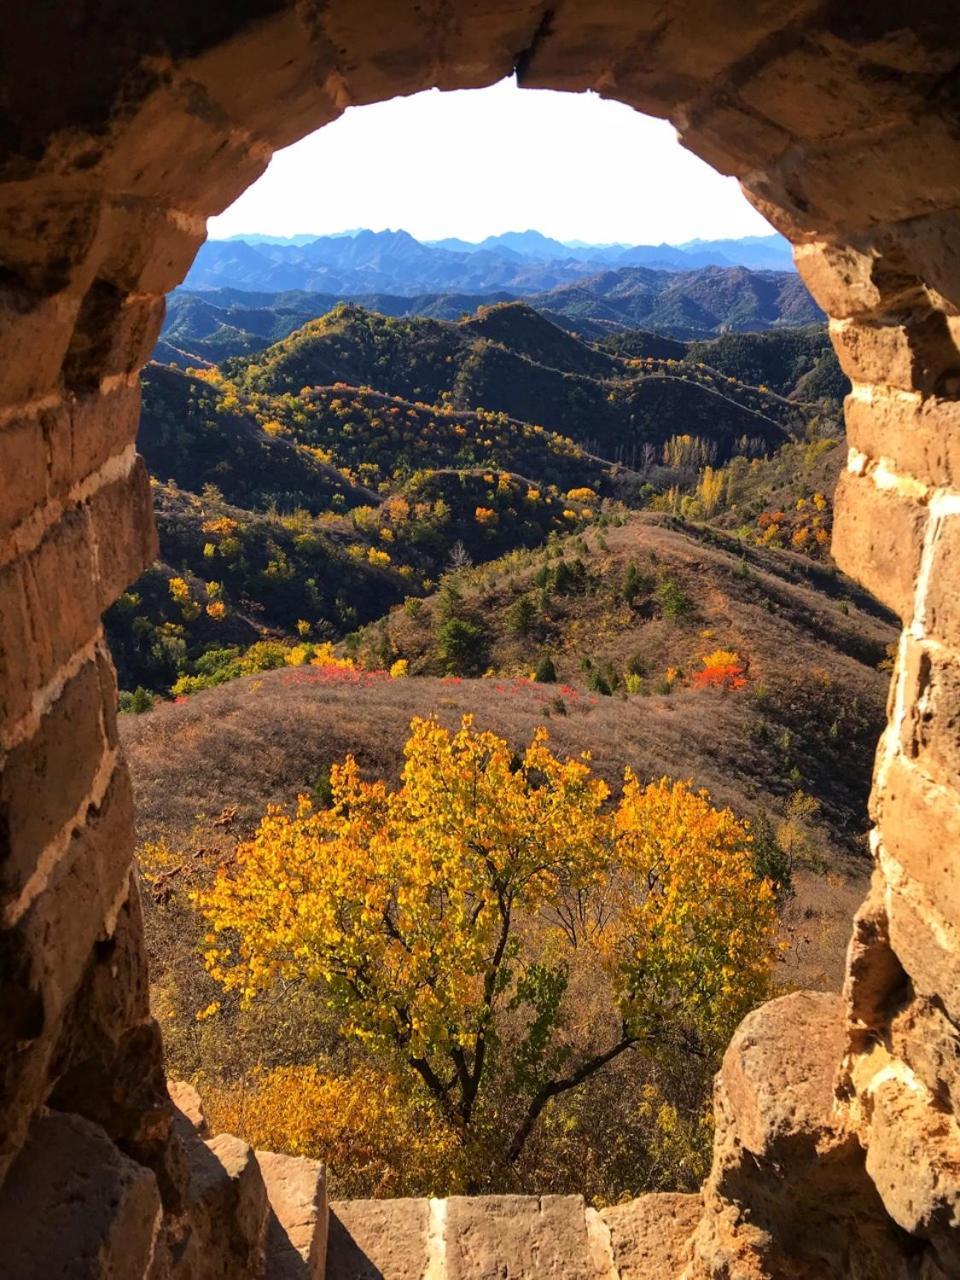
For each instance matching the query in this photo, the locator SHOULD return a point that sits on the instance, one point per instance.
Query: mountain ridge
(394, 261)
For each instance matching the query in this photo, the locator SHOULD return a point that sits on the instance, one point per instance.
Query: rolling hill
(303, 489)
(217, 319)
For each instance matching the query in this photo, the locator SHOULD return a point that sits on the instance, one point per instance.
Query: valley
(372, 512)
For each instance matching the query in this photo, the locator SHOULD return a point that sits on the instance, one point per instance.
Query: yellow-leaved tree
(443, 921)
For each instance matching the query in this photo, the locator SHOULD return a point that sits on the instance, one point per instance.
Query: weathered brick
(915, 356)
(930, 733)
(942, 611)
(126, 538)
(931, 961)
(114, 335)
(60, 592)
(46, 778)
(730, 138)
(813, 90)
(23, 471)
(929, 249)
(19, 661)
(48, 610)
(848, 282)
(85, 431)
(262, 82)
(920, 436)
(33, 342)
(925, 849)
(905, 171)
(878, 540)
(52, 952)
(76, 1206)
(108, 690)
(198, 139)
(144, 249)
(928, 1043)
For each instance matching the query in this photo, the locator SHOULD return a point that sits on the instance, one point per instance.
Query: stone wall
(124, 125)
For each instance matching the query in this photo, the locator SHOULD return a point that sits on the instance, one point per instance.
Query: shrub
(546, 672)
(674, 601)
(770, 860)
(137, 702)
(597, 682)
(636, 665)
(634, 584)
(722, 669)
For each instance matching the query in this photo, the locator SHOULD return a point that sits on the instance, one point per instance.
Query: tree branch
(555, 1087)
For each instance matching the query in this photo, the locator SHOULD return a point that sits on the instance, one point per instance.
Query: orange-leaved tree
(443, 920)
(722, 669)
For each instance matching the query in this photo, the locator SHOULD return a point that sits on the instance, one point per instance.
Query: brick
(296, 1243)
(878, 540)
(48, 236)
(34, 340)
(929, 959)
(263, 82)
(731, 139)
(19, 660)
(85, 431)
(109, 695)
(814, 90)
(145, 248)
(48, 610)
(53, 951)
(126, 539)
(649, 1235)
(925, 849)
(23, 471)
(226, 1209)
(847, 281)
(903, 172)
(74, 1205)
(46, 778)
(942, 605)
(911, 1157)
(920, 436)
(920, 355)
(180, 142)
(114, 335)
(927, 1042)
(522, 1236)
(59, 579)
(378, 1237)
(929, 248)
(873, 978)
(930, 734)
(82, 888)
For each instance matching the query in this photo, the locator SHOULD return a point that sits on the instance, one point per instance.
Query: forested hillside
(303, 489)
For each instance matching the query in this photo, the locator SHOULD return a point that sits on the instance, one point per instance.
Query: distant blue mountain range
(516, 262)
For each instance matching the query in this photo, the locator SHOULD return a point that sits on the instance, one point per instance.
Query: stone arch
(124, 127)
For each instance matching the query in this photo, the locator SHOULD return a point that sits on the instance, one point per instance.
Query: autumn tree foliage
(722, 669)
(443, 921)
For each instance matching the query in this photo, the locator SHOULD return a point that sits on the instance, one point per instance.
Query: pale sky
(477, 162)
